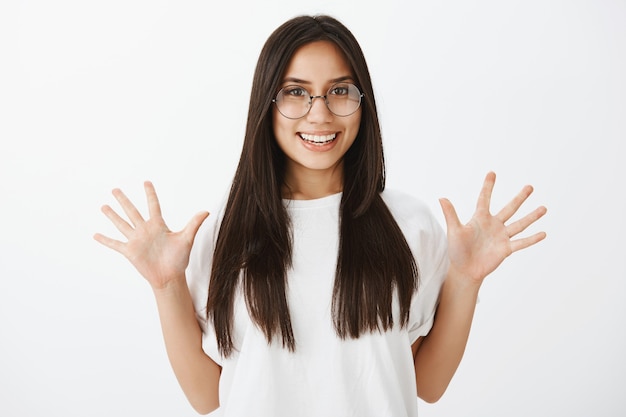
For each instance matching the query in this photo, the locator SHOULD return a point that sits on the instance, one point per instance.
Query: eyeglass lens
(342, 99)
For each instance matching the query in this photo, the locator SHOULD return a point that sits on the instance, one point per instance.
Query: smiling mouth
(318, 139)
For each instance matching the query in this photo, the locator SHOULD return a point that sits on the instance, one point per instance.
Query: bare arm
(475, 250)
(197, 374)
(438, 355)
(161, 256)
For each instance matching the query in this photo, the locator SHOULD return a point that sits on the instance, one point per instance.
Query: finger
(128, 207)
(521, 225)
(116, 245)
(119, 223)
(449, 213)
(154, 208)
(484, 198)
(523, 243)
(194, 224)
(511, 208)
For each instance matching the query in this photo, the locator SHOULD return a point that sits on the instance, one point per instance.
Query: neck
(309, 184)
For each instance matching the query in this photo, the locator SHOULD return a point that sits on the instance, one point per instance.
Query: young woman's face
(316, 143)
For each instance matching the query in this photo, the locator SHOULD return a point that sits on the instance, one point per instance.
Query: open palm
(477, 248)
(159, 254)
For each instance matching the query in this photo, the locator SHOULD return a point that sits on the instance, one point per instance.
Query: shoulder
(408, 210)
(398, 199)
(207, 233)
(199, 267)
(422, 231)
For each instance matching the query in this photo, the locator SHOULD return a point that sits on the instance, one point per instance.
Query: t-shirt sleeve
(428, 242)
(198, 274)
(431, 254)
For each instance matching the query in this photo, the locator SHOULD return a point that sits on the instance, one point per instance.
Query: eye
(339, 90)
(295, 91)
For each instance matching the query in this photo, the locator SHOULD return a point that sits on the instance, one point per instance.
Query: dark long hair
(254, 248)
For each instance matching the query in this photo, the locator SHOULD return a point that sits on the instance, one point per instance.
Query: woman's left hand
(477, 248)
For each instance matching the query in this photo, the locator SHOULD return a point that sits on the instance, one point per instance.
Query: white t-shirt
(326, 376)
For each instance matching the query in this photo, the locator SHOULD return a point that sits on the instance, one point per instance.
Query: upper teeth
(318, 139)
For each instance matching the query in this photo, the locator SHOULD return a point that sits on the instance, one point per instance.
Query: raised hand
(159, 254)
(477, 248)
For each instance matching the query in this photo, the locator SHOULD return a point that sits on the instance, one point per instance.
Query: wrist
(170, 286)
(460, 281)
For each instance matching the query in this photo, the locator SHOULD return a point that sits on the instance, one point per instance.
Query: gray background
(96, 95)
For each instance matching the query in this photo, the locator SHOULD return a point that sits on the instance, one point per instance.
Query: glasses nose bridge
(311, 98)
(325, 99)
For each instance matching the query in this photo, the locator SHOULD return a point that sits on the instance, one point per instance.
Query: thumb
(191, 229)
(449, 213)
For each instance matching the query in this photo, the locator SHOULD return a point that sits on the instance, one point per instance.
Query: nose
(319, 112)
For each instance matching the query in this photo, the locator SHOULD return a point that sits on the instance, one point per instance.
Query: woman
(314, 290)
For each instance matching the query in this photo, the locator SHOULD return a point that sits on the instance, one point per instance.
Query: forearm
(440, 353)
(197, 374)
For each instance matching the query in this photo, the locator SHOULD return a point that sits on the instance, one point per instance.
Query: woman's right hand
(159, 254)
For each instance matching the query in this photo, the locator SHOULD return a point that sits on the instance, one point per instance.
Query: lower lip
(321, 147)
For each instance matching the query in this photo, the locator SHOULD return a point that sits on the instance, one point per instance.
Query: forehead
(319, 61)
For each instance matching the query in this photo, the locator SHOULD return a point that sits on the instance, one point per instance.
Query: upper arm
(415, 346)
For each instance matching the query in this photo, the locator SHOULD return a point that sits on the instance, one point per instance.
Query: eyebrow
(333, 81)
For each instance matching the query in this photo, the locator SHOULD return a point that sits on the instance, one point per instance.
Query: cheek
(282, 129)
(277, 125)
(280, 122)
(355, 123)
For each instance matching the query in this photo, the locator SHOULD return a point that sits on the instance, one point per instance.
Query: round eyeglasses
(342, 99)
